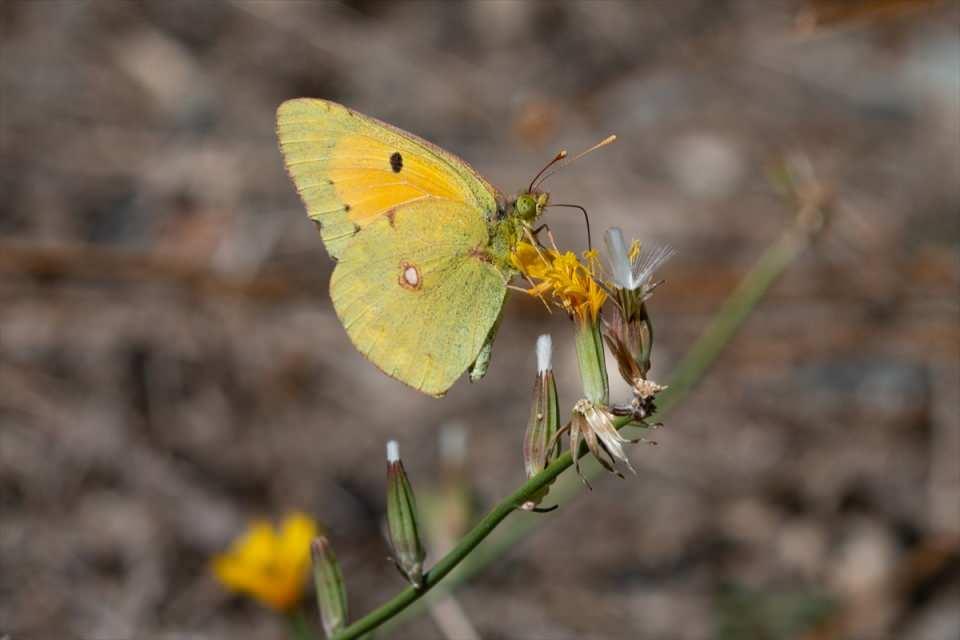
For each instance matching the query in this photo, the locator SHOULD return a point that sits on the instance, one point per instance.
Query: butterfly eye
(526, 206)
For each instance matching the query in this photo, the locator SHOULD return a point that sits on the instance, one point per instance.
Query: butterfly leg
(545, 227)
(480, 365)
(534, 241)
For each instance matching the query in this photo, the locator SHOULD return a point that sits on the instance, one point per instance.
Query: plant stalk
(590, 358)
(720, 331)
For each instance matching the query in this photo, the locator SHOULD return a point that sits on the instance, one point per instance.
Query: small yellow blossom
(561, 278)
(268, 564)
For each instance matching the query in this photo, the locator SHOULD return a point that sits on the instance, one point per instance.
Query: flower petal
(269, 566)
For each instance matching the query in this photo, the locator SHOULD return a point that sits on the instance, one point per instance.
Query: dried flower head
(628, 330)
(594, 424)
(268, 564)
(632, 268)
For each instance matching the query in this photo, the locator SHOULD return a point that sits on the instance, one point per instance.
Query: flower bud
(544, 415)
(331, 593)
(539, 441)
(402, 527)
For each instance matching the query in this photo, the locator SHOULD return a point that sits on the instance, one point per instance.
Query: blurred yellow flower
(268, 564)
(561, 278)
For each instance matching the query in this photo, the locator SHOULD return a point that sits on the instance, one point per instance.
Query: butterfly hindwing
(417, 292)
(350, 169)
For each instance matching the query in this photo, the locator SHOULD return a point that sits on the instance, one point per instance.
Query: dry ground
(170, 365)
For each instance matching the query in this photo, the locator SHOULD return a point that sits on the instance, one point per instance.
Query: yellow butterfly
(422, 241)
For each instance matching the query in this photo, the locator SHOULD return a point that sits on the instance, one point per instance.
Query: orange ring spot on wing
(410, 278)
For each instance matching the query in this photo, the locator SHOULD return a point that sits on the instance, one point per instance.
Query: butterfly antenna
(599, 145)
(585, 217)
(557, 158)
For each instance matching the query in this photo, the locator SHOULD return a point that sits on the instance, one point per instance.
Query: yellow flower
(561, 278)
(268, 564)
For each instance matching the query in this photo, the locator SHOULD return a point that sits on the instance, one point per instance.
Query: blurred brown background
(170, 365)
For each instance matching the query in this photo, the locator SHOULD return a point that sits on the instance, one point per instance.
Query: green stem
(732, 314)
(299, 627)
(590, 357)
(463, 548)
(688, 373)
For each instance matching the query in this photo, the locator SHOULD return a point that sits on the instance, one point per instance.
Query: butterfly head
(529, 206)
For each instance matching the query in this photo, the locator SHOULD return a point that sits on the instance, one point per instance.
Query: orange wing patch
(351, 169)
(372, 177)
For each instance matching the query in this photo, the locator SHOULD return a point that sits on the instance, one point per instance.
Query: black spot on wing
(346, 207)
(356, 229)
(396, 161)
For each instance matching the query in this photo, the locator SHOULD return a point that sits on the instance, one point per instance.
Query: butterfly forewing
(351, 169)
